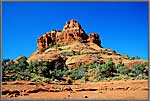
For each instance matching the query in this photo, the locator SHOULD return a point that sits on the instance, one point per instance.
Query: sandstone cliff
(71, 32)
(75, 48)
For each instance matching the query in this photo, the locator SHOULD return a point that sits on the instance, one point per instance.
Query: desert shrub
(59, 74)
(105, 70)
(138, 68)
(142, 76)
(53, 46)
(109, 53)
(21, 70)
(120, 63)
(78, 73)
(123, 77)
(91, 66)
(133, 58)
(98, 57)
(58, 45)
(15, 71)
(35, 67)
(116, 78)
(46, 70)
(130, 74)
(103, 52)
(7, 66)
(36, 78)
(32, 66)
(22, 64)
(72, 53)
(62, 44)
(85, 78)
(75, 74)
(67, 54)
(60, 49)
(123, 70)
(139, 71)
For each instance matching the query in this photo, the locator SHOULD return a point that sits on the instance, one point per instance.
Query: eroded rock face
(46, 40)
(59, 63)
(72, 31)
(56, 61)
(94, 37)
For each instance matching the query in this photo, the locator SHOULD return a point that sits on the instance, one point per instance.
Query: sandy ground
(122, 89)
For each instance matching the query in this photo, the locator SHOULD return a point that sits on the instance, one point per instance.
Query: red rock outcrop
(72, 31)
(94, 37)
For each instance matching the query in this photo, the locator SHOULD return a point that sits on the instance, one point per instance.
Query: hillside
(79, 48)
(70, 64)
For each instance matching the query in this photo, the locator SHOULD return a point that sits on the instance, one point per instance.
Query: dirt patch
(129, 89)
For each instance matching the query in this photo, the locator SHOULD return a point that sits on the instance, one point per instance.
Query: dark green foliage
(105, 70)
(85, 78)
(133, 58)
(7, 66)
(39, 68)
(123, 70)
(103, 52)
(54, 46)
(139, 71)
(70, 81)
(78, 73)
(62, 44)
(138, 68)
(98, 57)
(108, 70)
(58, 45)
(56, 71)
(120, 63)
(15, 71)
(72, 53)
(35, 70)
(45, 70)
(109, 53)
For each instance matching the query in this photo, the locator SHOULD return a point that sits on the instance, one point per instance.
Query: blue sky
(122, 26)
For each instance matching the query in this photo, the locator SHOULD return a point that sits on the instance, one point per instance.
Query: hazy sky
(122, 26)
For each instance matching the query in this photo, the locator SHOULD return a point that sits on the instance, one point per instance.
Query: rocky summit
(72, 31)
(75, 48)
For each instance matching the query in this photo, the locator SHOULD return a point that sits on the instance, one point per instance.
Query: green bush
(67, 54)
(105, 70)
(72, 53)
(123, 70)
(78, 73)
(43, 71)
(85, 78)
(70, 81)
(15, 71)
(139, 71)
(133, 58)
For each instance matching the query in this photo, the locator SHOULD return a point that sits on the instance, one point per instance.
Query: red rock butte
(72, 31)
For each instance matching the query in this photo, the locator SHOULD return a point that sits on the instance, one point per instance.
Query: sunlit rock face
(72, 31)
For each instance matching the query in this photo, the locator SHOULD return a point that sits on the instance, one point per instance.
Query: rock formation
(86, 50)
(72, 31)
(94, 37)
